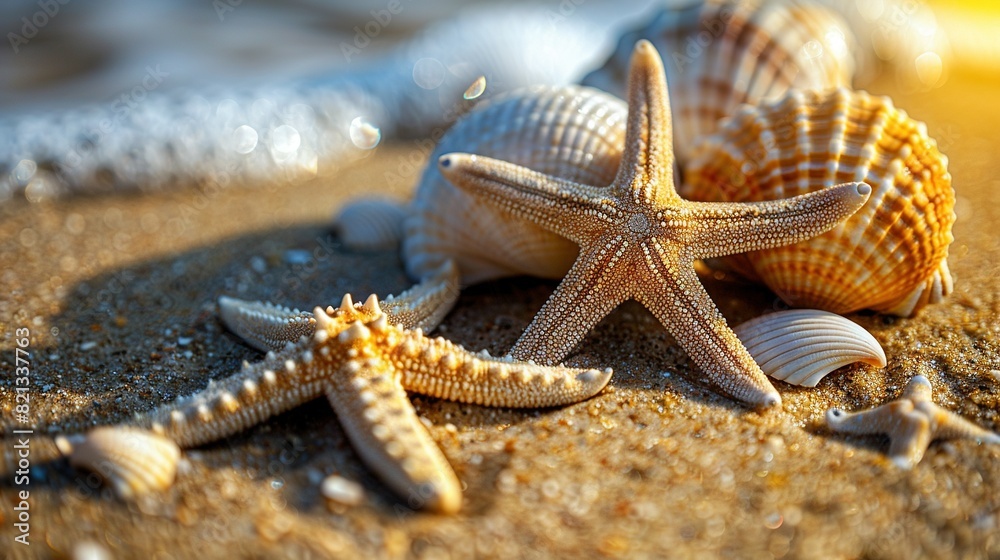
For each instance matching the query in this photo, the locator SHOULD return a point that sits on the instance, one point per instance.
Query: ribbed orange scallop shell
(891, 255)
(719, 54)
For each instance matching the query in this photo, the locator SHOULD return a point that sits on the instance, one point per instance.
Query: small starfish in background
(638, 239)
(911, 422)
(363, 363)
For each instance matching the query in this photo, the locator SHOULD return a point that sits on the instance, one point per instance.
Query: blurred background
(89, 51)
(59, 52)
(172, 92)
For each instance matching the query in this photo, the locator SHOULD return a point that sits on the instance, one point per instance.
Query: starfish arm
(911, 422)
(948, 425)
(880, 420)
(584, 297)
(543, 199)
(425, 304)
(719, 229)
(440, 368)
(648, 162)
(909, 437)
(384, 429)
(265, 326)
(686, 310)
(278, 383)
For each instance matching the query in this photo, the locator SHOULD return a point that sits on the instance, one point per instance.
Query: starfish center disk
(638, 223)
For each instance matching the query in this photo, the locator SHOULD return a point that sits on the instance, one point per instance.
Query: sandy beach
(118, 294)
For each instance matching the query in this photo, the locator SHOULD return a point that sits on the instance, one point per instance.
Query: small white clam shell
(802, 346)
(342, 491)
(133, 461)
(370, 224)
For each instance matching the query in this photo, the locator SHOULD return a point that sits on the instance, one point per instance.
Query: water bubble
(476, 88)
(428, 73)
(24, 171)
(244, 139)
(28, 237)
(75, 223)
(285, 139)
(813, 49)
(929, 68)
(364, 134)
(43, 187)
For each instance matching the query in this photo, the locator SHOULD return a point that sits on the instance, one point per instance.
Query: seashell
(890, 256)
(574, 132)
(341, 491)
(370, 224)
(133, 461)
(802, 346)
(720, 54)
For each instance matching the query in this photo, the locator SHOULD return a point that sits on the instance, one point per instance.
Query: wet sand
(118, 294)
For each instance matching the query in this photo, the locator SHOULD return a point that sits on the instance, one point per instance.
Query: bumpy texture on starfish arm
(425, 305)
(363, 364)
(639, 240)
(264, 325)
(911, 422)
(267, 326)
(387, 434)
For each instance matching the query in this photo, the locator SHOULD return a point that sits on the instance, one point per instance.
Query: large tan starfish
(364, 363)
(638, 239)
(912, 422)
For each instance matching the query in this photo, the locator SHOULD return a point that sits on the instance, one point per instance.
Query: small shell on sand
(342, 491)
(802, 346)
(133, 461)
(370, 224)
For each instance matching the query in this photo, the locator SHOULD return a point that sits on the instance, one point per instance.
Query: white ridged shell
(890, 256)
(370, 224)
(574, 132)
(133, 461)
(802, 346)
(718, 55)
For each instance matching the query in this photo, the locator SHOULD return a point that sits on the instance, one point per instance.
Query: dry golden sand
(118, 294)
